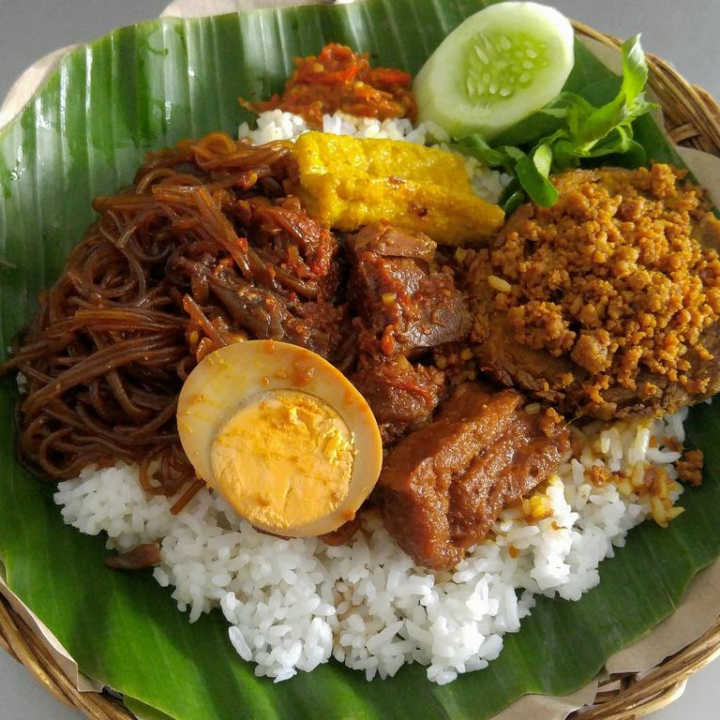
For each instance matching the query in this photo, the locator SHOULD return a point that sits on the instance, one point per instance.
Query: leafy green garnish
(574, 131)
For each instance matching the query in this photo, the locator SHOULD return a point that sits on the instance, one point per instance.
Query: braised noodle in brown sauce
(165, 275)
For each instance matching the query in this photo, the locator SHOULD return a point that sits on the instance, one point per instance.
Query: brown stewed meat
(606, 304)
(402, 395)
(406, 303)
(444, 485)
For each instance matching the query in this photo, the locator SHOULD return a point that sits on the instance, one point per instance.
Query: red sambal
(339, 79)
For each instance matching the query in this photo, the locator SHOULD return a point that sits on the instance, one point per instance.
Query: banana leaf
(83, 134)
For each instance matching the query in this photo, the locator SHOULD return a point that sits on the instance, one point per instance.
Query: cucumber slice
(494, 69)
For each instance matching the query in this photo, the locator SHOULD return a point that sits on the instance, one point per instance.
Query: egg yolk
(284, 459)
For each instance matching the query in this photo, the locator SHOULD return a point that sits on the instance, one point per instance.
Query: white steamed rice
(294, 604)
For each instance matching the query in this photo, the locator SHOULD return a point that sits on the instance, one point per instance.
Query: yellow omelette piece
(350, 182)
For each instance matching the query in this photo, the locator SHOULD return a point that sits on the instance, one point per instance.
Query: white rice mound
(294, 604)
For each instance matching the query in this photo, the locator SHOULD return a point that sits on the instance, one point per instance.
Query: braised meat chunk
(406, 304)
(444, 485)
(401, 395)
(606, 304)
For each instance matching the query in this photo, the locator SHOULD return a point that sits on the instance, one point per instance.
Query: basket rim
(692, 119)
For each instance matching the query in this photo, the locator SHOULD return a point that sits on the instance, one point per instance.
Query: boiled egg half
(282, 435)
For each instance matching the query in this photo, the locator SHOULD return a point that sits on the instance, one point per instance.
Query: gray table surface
(686, 33)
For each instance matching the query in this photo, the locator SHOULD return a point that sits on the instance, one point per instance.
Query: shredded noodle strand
(204, 249)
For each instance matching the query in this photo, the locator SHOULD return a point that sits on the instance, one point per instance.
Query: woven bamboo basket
(692, 119)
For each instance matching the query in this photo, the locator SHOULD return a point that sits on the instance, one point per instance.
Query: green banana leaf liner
(83, 134)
